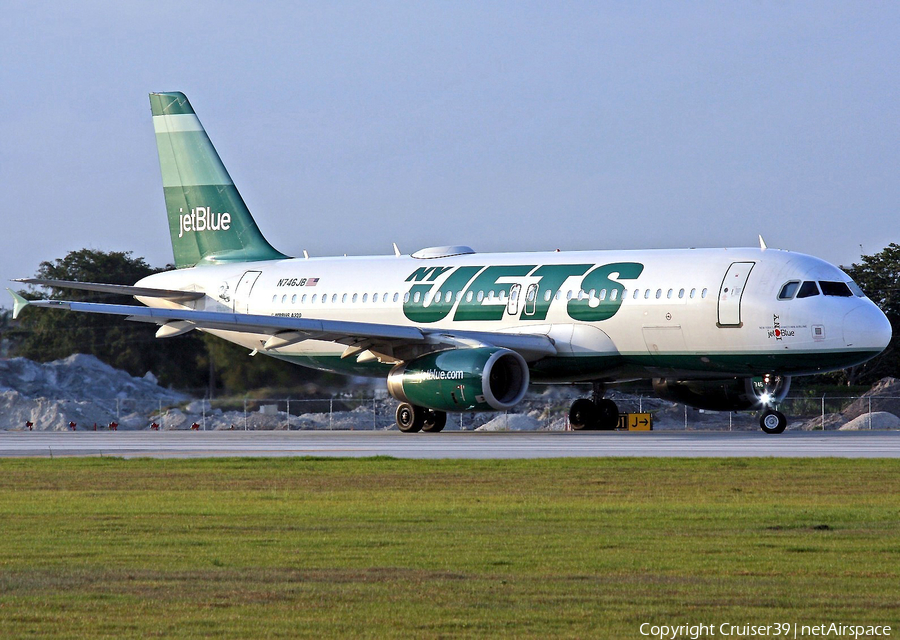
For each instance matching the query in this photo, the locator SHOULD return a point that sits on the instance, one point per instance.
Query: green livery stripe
(595, 367)
(171, 103)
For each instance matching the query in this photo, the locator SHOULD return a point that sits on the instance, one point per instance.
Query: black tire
(607, 415)
(772, 421)
(410, 418)
(434, 421)
(583, 415)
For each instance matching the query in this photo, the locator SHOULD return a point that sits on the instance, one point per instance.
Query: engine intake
(484, 378)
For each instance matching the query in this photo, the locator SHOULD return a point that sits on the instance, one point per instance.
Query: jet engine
(731, 394)
(481, 379)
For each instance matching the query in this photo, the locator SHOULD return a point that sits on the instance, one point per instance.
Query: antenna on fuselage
(762, 243)
(396, 250)
(305, 254)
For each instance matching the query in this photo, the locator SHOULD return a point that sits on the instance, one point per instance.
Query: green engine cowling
(481, 379)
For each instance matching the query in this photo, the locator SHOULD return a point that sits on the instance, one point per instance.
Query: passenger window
(613, 294)
(839, 289)
(294, 299)
(693, 293)
(789, 290)
(415, 297)
(366, 297)
(680, 294)
(275, 298)
(547, 295)
(355, 297)
(602, 295)
(658, 294)
(396, 297)
(303, 299)
(315, 297)
(669, 294)
(406, 297)
(333, 298)
(808, 289)
(703, 293)
(284, 299)
(646, 294)
(469, 296)
(636, 294)
(569, 294)
(480, 296)
(344, 298)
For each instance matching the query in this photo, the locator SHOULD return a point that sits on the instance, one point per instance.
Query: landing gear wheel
(434, 420)
(410, 418)
(772, 421)
(583, 415)
(607, 415)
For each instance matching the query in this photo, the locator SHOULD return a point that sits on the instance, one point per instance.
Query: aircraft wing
(358, 337)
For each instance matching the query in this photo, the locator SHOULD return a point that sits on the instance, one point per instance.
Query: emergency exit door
(731, 292)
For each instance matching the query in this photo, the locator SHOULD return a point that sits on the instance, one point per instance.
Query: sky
(506, 126)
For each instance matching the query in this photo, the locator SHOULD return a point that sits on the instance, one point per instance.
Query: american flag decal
(312, 282)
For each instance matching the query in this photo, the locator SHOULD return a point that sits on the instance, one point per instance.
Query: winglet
(762, 243)
(19, 303)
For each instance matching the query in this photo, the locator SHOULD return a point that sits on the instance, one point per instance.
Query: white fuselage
(611, 314)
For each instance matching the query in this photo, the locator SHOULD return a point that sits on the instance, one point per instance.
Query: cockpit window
(788, 290)
(856, 290)
(839, 289)
(808, 289)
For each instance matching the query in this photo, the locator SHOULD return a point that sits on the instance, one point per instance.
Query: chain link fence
(548, 411)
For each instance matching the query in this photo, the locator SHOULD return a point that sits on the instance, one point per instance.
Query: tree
(878, 276)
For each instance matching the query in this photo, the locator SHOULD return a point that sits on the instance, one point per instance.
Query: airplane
(453, 330)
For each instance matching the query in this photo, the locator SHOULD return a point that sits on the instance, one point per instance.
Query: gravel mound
(79, 389)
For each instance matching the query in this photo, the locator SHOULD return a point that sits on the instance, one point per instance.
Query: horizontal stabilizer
(121, 289)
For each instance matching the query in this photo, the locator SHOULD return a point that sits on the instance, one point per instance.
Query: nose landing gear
(772, 421)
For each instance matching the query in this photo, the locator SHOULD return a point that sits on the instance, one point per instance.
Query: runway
(461, 445)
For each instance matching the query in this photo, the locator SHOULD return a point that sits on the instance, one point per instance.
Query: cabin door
(242, 291)
(731, 292)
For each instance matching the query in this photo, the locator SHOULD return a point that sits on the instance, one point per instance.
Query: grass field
(394, 548)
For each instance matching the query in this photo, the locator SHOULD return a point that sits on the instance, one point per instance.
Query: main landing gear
(772, 421)
(411, 418)
(596, 413)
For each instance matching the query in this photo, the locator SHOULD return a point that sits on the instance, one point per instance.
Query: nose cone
(867, 328)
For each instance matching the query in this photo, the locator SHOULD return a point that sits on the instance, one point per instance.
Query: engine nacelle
(732, 394)
(482, 379)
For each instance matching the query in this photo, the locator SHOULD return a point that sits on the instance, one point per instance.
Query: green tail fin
(208, 219)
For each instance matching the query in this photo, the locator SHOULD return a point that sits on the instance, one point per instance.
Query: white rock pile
(79, 389)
